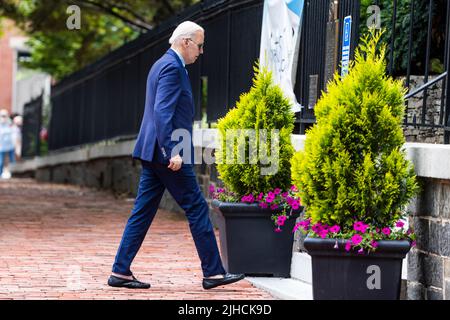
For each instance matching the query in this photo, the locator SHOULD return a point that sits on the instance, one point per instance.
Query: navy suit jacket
(169, 106)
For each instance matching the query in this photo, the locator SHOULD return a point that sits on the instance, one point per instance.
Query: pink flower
(413, 244)
(335, 229)
(361, 251)
(260, 196)
(284, 194)
(276, 191)
(356, 239)
(220, 190)
(386, 231)
(304, 224)
(317, 227)
(399, 224)
(249, 198)
(290, 200)
(211, 188)
(270, 197)
(263, 205)
(277, 229)
(374, 244)
(360, 226)
(281, 220)
(274, 206)
(323, 233)
(294, 188)
(295, 205)
(348, 246)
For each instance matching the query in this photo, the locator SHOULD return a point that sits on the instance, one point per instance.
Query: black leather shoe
(114, 281)
(227, 279)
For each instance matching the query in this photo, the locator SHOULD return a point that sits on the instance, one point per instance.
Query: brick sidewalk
(59, 242)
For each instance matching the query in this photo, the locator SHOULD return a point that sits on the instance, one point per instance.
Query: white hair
(186, 29)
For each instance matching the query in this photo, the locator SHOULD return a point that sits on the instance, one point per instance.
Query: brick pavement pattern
(59, 242)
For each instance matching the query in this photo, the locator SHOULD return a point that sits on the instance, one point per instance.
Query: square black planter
(341, 275)
(249, 243)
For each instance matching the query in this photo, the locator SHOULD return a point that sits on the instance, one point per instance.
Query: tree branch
(142, 26)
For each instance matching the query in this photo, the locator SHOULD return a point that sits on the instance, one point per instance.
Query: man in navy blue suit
(169, 106)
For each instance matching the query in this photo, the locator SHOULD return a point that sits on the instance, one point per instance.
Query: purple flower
(374, 244)
(274, 206)
(356, 239)
(284, 194)
(295, 205)
(399, 224)
(413, 244)
(260, 196)
(335, 229)
(211, 188)
(386, 231)
(277, 191)
(361, 251)
(277, 229)
(220, 190)
(294, 188)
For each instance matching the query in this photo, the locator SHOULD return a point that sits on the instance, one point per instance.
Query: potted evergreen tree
(253, 162)
(355, 182)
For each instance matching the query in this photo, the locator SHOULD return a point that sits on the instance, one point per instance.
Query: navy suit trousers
(183, 186)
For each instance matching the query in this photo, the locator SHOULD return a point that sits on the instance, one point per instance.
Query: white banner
(280, 38)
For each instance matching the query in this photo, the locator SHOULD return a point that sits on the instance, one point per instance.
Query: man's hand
(175, 163)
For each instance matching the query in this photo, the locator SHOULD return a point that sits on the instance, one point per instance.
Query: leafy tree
(105, 25)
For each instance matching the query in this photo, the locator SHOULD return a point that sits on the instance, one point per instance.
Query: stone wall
(429, 261)
(414, 111)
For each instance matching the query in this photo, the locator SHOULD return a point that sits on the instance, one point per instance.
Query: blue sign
(346, 40)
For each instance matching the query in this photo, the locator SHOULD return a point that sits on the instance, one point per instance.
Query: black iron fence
(106, 99)
(32, 120)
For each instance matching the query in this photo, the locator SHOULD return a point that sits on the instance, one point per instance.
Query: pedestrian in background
(17, 135)
(6, 143)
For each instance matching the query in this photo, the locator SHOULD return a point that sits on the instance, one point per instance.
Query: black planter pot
(249, 243)
(342, 275)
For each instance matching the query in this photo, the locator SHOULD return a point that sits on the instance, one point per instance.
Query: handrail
(426, 85)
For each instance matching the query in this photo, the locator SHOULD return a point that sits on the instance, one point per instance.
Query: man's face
(194, 47)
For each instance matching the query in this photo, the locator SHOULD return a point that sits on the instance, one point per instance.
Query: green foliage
(353, 166)
(262, 108)
(420, 26)
(105, 26)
